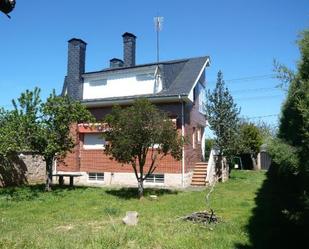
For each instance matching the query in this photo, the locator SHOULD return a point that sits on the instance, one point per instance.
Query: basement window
(94, 176)
(155, 178)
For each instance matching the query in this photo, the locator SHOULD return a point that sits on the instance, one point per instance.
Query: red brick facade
(86, 160)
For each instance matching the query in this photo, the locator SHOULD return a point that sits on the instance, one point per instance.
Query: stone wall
(22, 169)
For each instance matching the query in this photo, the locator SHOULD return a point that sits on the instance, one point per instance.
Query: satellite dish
(6, 6)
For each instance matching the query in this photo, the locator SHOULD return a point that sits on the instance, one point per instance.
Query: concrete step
(201, 163)
(200, 171)
(199, 174)
(198, 184)
(200, 167)
(198, 181)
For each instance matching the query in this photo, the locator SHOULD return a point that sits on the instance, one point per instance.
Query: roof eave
(154, 99)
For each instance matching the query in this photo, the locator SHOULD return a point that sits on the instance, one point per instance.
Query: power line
(259, 97)
(255, 89)
(248, 78)
(265, 116)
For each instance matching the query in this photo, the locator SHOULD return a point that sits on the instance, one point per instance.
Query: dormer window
(100, 82)
(143, 77)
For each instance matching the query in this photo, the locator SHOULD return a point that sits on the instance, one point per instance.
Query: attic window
(144, 77)
(100, 82)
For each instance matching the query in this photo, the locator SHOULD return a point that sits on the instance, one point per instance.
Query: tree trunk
(219, 163)
(140, 188)
(49, 174)
(254, 163)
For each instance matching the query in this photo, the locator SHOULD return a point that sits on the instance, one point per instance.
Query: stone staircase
(199, 174)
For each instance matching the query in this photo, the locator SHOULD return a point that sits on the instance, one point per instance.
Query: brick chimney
(76, 67)
(129, 41)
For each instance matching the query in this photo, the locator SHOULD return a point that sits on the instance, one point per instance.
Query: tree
(250, 139)
(294, 121)
(9, 133)
(138, 133)
(222, 115)
(290, 152)
(44, 127)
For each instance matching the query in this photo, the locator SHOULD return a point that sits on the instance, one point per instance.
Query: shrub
(283, 156)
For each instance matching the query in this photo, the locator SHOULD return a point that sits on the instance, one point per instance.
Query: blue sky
(242, 38)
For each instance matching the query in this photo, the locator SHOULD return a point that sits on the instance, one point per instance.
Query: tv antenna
(158, 20)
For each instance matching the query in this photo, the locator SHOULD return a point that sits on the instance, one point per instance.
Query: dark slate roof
(178, 77)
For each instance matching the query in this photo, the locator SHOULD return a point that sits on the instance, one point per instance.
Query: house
(176, 87)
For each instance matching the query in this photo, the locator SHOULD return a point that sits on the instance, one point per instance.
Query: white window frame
(155, 179)
(193, 137)
(94, 146)
(201, 98)
(199, 135)
(96, 177)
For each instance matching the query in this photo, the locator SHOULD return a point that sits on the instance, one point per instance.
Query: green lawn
(91, 217)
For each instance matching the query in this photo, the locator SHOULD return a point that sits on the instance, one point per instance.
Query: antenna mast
(158, 20)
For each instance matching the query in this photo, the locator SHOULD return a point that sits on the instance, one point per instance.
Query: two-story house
(176, 87)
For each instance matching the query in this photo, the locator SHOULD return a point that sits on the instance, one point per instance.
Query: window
(155, 178)
(195, 93)
(143, 77)
(93, 176)
(93, 141)
(101, 82)
(201, 98)
(199, 135)
(193, 138)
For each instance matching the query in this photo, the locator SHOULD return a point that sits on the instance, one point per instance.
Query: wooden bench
(71, 175)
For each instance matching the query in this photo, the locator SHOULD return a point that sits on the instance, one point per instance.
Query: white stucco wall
(119, 85)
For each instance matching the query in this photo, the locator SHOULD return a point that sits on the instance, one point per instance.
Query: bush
(283, 156)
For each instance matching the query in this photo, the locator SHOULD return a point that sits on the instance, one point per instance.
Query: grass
(91, 217)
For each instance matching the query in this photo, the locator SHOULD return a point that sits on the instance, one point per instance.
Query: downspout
(183, 148)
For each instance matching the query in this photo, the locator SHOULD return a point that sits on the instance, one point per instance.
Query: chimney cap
(116, 63)
(127, 34)
(116, 59)
(77, 40)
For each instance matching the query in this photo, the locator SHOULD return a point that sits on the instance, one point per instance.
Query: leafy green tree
(9, 134)
(250, 139)
(222, 115)
(44, 127)
(291, 150)
(140, 133)
(294, 122)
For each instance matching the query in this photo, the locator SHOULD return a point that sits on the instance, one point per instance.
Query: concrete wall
(128, 179)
